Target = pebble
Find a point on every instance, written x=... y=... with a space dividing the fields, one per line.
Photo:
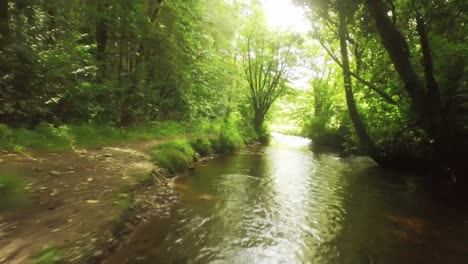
x=98 y=253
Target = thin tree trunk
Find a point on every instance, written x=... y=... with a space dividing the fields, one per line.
x=50 y=41
x=364 y=138
x=101 y=36
x=4 y=24
x=127 y=107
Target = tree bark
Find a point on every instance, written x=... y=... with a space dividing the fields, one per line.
x=364 y=138
x=4 y=24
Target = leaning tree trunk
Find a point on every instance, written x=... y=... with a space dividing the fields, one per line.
x=425 y=99
x=364 y=138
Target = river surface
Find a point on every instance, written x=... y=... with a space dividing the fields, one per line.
x=285 y=204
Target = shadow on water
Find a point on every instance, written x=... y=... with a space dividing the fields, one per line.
x=285 y=204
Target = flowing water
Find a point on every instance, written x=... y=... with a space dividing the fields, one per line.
x=285 y=204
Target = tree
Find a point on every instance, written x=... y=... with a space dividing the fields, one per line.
x=361 y=131
x=266 y=65
x=337 y=14
x=426 y=102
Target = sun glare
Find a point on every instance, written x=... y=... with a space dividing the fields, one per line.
x=284 y=14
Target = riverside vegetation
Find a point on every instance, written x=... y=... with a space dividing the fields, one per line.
x=387 y=80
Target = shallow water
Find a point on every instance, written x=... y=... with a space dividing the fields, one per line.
x=285 y=204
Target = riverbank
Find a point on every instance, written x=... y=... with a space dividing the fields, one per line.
x=80 y=200
x=75 y=205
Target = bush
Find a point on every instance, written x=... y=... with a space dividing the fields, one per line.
x=202 y=146
x=326 y=138
x=174 y=156
x=229 y=140
x=6 y=135
x=12 y=191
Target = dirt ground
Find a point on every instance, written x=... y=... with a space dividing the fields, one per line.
x=81 y=201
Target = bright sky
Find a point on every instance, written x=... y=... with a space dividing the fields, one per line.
x=284 y=14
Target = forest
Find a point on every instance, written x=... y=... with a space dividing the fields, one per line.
x=385 y=79
x=389 y=77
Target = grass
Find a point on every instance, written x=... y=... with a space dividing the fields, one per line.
x=12 y=193
x=50 y=255
x=47 y=137
x=174 y=156
x=229 y=140
x=179 y=155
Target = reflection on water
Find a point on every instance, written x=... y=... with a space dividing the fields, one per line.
x=285 y=204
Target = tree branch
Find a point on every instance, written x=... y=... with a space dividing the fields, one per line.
x=386 y=97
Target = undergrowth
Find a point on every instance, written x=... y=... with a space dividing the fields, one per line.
x=50 y=255
x=180 y=155
x=174 y=156
x=47 y=137
x=12 y=193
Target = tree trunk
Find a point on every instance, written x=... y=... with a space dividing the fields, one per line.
x=425 y=100
x=4 y=24
x=399 y=52
x=101 y=35
x=259 y=119
x=364 y=138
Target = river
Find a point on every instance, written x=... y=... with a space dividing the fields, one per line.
x=285 y=204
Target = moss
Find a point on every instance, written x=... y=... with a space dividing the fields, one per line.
x=174 y=156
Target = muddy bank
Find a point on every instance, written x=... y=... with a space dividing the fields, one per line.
x=81 y=203
x=152 y=198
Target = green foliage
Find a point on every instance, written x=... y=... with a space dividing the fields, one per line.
x=163 y=62
x=6 y=135
x=50 y=255
x=12 y=192
x=202 y=146
x=267 y=60
x=50 y=138
x=326 y=137
x=174 y=156
x=229 y=140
